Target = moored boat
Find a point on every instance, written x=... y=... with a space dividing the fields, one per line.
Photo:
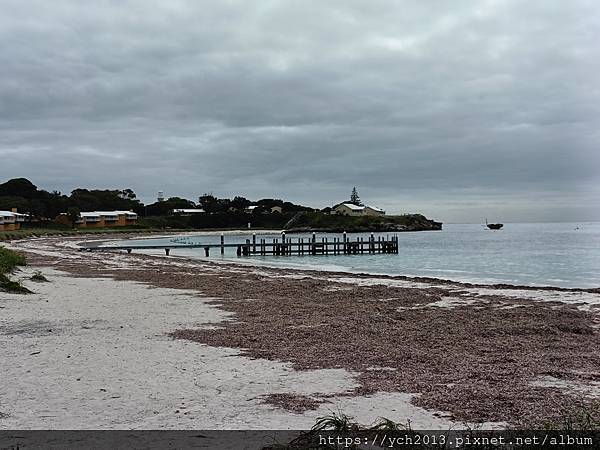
x=493 y=226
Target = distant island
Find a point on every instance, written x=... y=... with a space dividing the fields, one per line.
x=99 y=209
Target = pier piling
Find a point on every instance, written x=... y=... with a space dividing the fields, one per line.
x=284 y=247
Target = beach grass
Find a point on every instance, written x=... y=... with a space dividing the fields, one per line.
x=580 y=415
x=9 y=262
x=12 y=286
x=336 y=422
x=344 y=423
x=39 y=277
x=576 y=420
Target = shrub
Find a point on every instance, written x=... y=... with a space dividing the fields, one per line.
x=38 y=277
x=14 y=287
x=9 y=261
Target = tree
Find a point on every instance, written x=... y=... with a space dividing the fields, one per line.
x=209 y=203
x=19 y=187
x=105 y=200
x=73 y=214
x=127 y=194
x=239 y=203
x=354 y=198
x=166 y=206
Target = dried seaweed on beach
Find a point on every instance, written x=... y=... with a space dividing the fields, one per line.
x=297 y=403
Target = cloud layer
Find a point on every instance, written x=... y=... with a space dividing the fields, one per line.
x=460 y=109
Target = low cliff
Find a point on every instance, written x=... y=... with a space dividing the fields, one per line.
x=303 y=222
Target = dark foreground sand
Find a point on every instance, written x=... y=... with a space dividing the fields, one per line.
x=518 y=356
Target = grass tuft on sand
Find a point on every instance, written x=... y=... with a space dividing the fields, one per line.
x=575 y=419
x=580 y=415
x=9 y=262
x=39 y=277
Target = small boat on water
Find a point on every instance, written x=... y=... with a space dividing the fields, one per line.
x=493 y=226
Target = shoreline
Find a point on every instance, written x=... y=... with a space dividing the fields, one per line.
x=445 y=342
x=253 y=262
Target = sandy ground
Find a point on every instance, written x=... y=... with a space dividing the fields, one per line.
x=86 y=353
x=259 y=343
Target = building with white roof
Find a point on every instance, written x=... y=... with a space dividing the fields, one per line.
x=187 y=211
x=350 y=209
x=11 y=220
x=101 y=219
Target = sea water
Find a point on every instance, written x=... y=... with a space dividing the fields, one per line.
x=533 y=254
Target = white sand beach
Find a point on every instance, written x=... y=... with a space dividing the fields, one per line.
x=93 y=353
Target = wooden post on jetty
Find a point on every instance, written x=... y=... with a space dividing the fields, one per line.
x=283 y=250
x=286 y=246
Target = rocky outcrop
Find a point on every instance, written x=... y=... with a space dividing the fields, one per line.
x=416 y=222
x=309 y=222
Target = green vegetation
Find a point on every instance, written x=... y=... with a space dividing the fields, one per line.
x=212 y=204
x=338 y=223
x=299 y=221
x=38 y=277
x=9 y=262
x=73 y=214
x=354 y=198
x=308 y=221
x=343 y=425
x=44 y=207
x=579 y=415
x=11 y=286
x=165 y=207
x=353 y=434
x=336 y=422
x=22 y=194
x=219 y=213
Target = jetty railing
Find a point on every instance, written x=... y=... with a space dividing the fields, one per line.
x=323 y=246
x=284 y=246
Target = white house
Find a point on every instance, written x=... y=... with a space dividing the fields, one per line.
x=11 y=220
x=350 y=209
x=187 y=211
x=374 y=211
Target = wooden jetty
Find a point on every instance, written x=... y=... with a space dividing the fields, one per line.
x=283 y=246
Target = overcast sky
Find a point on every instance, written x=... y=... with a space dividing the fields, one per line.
x=457 y=109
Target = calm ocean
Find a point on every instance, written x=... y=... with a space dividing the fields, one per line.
x=535 y=254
